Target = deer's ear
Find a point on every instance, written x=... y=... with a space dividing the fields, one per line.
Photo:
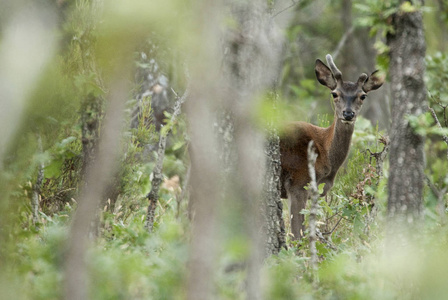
x=324 y=75
x=374 y=81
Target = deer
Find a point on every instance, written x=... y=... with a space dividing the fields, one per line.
x=332 y=144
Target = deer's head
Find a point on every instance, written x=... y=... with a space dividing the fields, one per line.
x=348 y=96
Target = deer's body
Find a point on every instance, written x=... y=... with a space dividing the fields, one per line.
x=332 y=144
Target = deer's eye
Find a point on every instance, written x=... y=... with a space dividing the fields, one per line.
x=362 y=97
x=334 y=95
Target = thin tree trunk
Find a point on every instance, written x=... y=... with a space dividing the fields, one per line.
x=274 y=223
x=407 y=69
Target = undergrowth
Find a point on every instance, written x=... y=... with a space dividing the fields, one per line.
x=127 y=262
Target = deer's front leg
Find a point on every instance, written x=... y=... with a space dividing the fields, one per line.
x=297 y=201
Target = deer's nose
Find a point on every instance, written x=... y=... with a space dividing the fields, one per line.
x=348 y=114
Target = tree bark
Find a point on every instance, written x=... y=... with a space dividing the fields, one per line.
x=407 y=69
x=274 y=223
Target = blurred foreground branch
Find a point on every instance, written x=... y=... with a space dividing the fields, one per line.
x=97 y=177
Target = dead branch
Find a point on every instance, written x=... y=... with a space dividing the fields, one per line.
x=314 y=193
x=157 y=176
x=342 y=42
x=444 y=137
x=294 y=3
x=334 y=227
x=440 y=194
x=380 y=156
x=323 y=240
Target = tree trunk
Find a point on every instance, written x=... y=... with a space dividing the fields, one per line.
x=273 y=214
x=407 y=69
x=249 y=67
x=233 y=168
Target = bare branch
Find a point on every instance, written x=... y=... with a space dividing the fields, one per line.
x=380 y=156
x=323 y=240
x=342 y=42
x=153 y=195
x=314 y=193
x=294 y=3
x=434 y=115
x=440 y=195
x=332 y=230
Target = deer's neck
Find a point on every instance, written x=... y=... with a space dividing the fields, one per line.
x=341 y=134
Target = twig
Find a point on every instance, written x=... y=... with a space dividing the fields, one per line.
x=337 y=223
x=342 y=42
x=380 y=156
x=445 y=120
x=286 y=8
x=444 y=137
x=153 y=195
x=322 y=239
x=314 y=193
x=444 y=107
x=439 y=194
x=334 y=215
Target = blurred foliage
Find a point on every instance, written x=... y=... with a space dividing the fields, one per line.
x=128 y=263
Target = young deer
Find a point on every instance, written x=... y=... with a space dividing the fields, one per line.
x=332 y=144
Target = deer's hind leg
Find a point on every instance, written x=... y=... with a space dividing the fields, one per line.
x=297 y=196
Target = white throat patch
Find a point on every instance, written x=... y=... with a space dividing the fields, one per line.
x=347 y=122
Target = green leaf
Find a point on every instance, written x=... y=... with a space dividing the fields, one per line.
x=321 y=188
x=53 y=170
x=407 y=7
x=178 y=145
